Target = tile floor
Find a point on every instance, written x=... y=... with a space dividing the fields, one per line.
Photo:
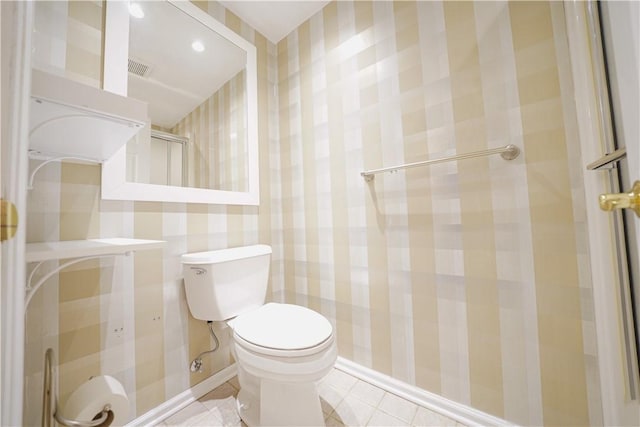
x=346 y=401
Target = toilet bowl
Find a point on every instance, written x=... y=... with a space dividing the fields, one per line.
x=281 y=350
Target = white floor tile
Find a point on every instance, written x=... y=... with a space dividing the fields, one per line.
x=208 y=420
x=382 y=419
x=368 y=393
x=226 y=410
x=330 y=397
x=346 y=401
x=339 y=380
x=425 y=417
x=398 y=407
x=332 y=422
x=191 y=415
x=353 y=412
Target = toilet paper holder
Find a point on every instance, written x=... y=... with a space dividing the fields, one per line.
x=104 y=415
x=48 y=401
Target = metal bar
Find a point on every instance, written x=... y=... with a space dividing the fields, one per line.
x=166 y=136
x=168 y=162
x=47 y=386
x=608 y=159
x=48 y=402
x=104 y=416
x=508 y=152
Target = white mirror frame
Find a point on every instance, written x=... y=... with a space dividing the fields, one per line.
x=114 y=183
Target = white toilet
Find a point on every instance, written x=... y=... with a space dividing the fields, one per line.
x=281 y=349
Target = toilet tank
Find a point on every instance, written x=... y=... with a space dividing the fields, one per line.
x=225 y=283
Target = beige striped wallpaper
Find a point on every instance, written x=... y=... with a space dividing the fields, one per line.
x=67 y=39
x=217 y=136
x=468 y=279
x=127 y=316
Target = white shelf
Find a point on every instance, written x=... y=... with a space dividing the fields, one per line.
x=86 y=248
x=71 y=119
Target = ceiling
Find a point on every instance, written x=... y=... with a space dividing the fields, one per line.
x=274 y=19
x=178 y=78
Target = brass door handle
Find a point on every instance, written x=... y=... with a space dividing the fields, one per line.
x=8 y=220
x=630 y=200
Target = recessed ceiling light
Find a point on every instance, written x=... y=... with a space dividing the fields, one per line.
x=136 y=11
x=197 y=46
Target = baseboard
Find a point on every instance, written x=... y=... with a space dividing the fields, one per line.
x=176 y=403
x=457 y=411
x=454 y=410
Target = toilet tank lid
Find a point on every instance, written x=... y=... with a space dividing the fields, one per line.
x=225 y=255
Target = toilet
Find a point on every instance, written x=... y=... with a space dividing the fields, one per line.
x=281 y=350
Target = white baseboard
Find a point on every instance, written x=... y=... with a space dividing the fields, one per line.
x=454 y=410
x=176 y=403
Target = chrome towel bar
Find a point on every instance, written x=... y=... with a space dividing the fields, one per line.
x=508 y=152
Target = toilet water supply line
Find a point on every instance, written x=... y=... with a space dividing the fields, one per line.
x=196 y=364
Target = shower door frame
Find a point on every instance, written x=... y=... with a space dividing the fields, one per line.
x=618 y=374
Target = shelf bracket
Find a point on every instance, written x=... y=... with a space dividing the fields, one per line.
x=31 y=290
x=36 y=154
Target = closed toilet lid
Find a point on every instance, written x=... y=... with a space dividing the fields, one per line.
x=283 y=327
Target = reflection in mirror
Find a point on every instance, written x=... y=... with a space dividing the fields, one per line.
x=161 y=158
x=194 y=81
x=223 y=104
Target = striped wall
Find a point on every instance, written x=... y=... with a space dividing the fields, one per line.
x=127 y=316
x=68 y=39
x=468 y=279
x=217 y=138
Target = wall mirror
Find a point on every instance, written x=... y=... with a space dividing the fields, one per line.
x=199 y=81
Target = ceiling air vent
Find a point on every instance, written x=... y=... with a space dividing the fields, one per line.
x=138 y=68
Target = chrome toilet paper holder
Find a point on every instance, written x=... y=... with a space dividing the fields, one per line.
x=104 y=415
x=48 y=401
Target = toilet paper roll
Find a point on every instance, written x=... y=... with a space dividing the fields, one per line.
x=88 y=400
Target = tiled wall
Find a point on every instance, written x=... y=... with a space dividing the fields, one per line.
x=127 y=316
x=468 y=279
x=217 y=129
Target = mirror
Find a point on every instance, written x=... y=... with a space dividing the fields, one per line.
x=199 y=81
x=158 y=158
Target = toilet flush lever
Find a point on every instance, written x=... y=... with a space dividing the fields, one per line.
x=199 y=271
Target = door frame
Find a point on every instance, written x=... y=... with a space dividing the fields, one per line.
x=16 y=24
x=617 y=408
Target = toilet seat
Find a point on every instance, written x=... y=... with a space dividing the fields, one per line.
x=282 y=330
